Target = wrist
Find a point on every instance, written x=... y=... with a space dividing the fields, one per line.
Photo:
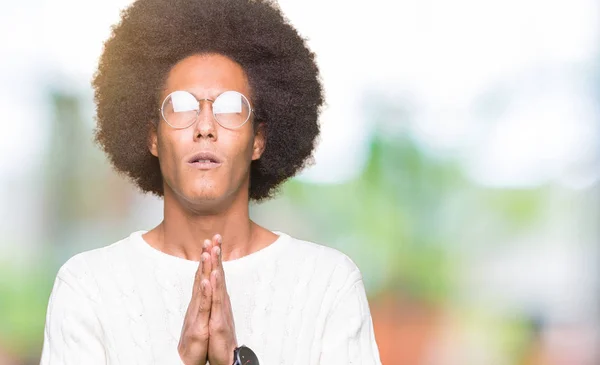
x=232 y=354
x=231 y=357
x=243 y=355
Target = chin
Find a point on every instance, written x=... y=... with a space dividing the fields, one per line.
x=196 y=192
x=203 y=194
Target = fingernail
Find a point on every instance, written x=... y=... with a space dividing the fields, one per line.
x=203 y=258
x=218 y=251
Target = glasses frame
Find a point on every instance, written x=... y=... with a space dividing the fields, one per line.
x=162 y=113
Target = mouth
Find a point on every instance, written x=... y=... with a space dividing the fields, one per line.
x=204 y=161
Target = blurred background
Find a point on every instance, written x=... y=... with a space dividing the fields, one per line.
x=459 y=167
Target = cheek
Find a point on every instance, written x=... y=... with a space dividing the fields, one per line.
x=168 y=153
x=241 y=148
x=238 y=152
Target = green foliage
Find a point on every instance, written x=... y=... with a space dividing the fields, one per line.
x=391 y=212
x=24 y=293
x=407 y=216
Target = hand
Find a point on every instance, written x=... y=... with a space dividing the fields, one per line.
x=193 y=343
x=222 y=339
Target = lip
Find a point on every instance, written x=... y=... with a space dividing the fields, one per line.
x=211 y=160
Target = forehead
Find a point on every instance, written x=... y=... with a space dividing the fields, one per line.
x=206 y=76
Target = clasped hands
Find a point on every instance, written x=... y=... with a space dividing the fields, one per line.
x=208 y=331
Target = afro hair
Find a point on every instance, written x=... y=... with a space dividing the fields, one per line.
x=153 y=35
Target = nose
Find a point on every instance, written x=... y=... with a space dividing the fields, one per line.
x=205 y=126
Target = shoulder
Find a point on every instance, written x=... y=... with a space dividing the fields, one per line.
x=323 y=274
x=81 y=263
x=82 y=271
x=325 y=260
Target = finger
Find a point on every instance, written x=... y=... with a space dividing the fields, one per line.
x=217 y=269
x=205 y=288
x=195 y=300
x=217 y=241
x=200 y=274
x=216 y=282
x=197 y=281
x=205 y=305
x=206 y=260
x=206 y=245
x=215 y=254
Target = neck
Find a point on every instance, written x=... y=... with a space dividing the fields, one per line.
x=183 y=230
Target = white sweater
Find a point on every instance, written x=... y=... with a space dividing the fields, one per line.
x=294 y=302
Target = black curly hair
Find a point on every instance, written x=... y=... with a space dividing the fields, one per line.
x=154 y=35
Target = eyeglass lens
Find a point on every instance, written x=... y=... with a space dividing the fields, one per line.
x=180 y=109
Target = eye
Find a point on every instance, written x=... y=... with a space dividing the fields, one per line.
x=229 y=102
x=182 y=101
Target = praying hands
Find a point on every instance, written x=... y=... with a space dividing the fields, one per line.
x=208 y=328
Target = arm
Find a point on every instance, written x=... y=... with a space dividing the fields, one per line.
x=73 y=334
x=348 y=337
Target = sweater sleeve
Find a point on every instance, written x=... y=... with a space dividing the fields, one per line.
x=72 y=334
x=348 y=336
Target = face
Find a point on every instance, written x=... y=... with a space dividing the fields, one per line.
x=184 y=153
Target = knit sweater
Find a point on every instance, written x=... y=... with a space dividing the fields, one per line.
x=294 y=302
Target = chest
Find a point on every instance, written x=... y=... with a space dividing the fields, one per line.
x=276 y=313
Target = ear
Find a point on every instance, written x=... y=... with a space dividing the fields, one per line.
x=260 y=141
x=153 y=139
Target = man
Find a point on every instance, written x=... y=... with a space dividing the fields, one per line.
x=209 y=104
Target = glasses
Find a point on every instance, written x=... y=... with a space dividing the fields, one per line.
x=231 y=109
